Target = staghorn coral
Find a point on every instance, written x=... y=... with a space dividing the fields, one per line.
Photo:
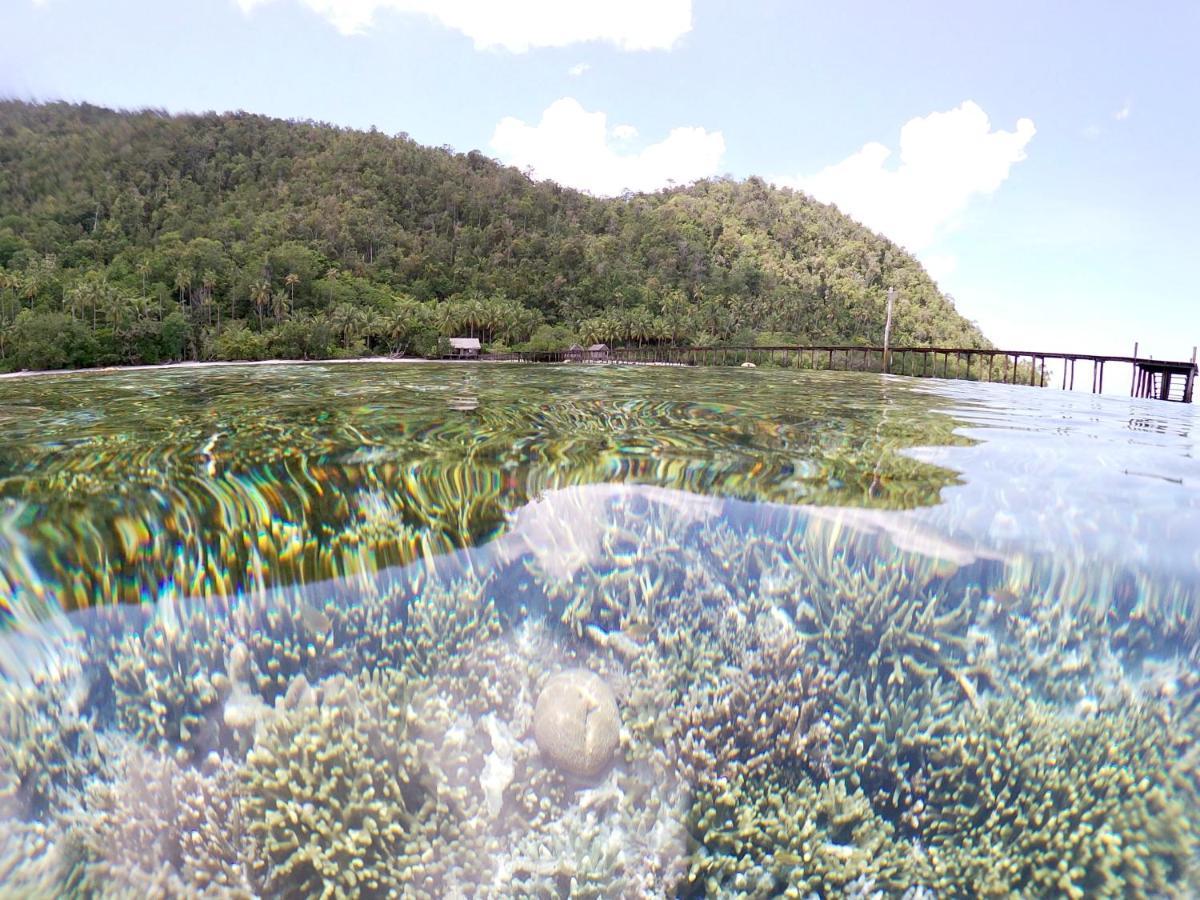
x=33 y=865
x=162 y=830
x=1024 y=799
x=880 y=738
x=335 y=801
x=287 y=635
x=168 y=680
x=761 y=713
x=777 y=836
x=48 y=750
x=873 y=618
x=445 y=621
x=371 y=623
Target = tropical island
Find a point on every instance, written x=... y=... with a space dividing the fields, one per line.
x=139 y=238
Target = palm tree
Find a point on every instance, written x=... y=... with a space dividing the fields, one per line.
x=87 y=293
x=449 y=317
x=208 y=281
x=291 y=280
x=347 y=319
x=260 y=293
x=375 y=326
x=183 y=282
x=331 y=275
x=143 y=269
x=591 y=331
x=280 y=307
x=7 y=280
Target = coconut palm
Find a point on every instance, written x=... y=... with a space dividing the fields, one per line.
x=331 y=275
x=87 y=293
x=208 y=283
x=183 y=282
x=280 y=307
x=291 y=280
x=347 y=319
x=260 y=293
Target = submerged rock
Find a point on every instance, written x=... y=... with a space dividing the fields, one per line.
x=576 y=723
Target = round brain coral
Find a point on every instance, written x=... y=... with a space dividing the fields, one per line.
x=576 y=723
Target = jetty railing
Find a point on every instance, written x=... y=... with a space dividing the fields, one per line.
x=1159 y=379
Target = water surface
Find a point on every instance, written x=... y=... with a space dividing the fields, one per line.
x=283 y=630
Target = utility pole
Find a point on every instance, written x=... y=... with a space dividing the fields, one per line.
x=887 y=332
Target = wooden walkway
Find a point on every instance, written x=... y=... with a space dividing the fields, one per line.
x=1158 y=379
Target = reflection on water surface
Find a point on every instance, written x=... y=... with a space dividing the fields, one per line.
x=497 y=630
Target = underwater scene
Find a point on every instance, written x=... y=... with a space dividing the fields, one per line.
x=472 y=630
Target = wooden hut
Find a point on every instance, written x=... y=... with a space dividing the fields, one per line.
x=464 y=348
x=597 y=352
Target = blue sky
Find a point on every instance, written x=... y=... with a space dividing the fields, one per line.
x=1039 y=157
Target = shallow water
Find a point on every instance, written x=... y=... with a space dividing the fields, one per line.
x=283 y=630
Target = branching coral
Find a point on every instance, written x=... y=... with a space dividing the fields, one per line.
x=164 y=830
x=168 y=679
x=1026 y=800
x=762 y=715
x=771 y=837
x=335 y=802
x=444 y=621
x=873 y=618
x=47 y=747
x=33 y=865
x=880 y=738
x=286 y=635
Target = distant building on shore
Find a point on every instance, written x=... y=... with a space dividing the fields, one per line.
x=597 y=352
x=464 y=348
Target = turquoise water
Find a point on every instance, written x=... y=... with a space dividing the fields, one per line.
x=442 y=630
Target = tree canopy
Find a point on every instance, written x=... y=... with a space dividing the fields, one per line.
x=139 y=237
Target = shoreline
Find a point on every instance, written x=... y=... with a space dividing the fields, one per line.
x=358 y=360
x=33 y=373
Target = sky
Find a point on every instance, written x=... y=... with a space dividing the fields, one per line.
x=1039 y=158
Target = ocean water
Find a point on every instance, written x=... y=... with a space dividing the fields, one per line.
x=500 y=630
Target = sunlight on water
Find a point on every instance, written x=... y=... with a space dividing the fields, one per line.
x=513 y=631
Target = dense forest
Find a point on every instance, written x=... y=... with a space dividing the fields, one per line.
x=142 y=238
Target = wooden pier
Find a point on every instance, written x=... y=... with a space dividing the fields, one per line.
x=1155 y=379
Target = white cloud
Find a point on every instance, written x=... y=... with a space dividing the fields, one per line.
x=578 y=69
x=1123 y=113
x=573 y=147
x=624 y=132
x=518 y=25
x=946 y=159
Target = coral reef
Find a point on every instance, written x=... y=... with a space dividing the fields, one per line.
x=761 y=712
x=168 y=680
x=879 y=740
x=445 y=621
x=161 y=829
x=48 y=750
x=770 y=837
x=286 y=635
x=875 y=618
x=33 y=865
x=334 y=800
x=1025 y=799
x=748 y=708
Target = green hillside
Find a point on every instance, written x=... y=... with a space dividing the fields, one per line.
x=142 y=237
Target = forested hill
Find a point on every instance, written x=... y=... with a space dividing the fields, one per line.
x=141 y=237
